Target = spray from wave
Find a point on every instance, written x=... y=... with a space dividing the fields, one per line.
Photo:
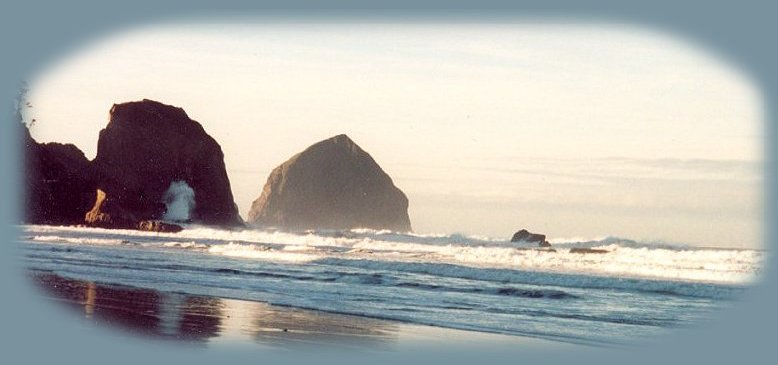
x=180 y=202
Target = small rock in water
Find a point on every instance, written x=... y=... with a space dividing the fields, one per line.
x=526 y=236
x=587 y=250
x=158 y=226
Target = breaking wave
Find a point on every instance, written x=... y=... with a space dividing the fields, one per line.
x=615 y=257
x=592 y=291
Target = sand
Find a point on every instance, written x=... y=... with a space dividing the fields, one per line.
x=224 y=322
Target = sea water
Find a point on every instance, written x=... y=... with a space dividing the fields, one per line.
x=632 y=291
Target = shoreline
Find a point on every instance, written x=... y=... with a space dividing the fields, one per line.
x=554 y=245
x=216 y=322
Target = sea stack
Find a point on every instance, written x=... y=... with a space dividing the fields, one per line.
x=146 y=150
x=333 y=184
x=59 y=183
x=528 y=237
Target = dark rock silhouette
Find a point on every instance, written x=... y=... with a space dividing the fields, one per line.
x=158 y=226
x=117 y=218
x=528 y=237
x=144 y=148
x=333 y=184
x=59 y=183
x=121 y=218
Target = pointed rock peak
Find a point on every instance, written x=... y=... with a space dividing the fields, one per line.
x=333 y=184
x=341 y=138
x=341 y=141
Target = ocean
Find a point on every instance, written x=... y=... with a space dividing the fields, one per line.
x=631 y=292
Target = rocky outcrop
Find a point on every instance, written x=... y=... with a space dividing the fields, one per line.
x=120 y=218
x=333 y=184
x=528 y=237
x=59 y=184
x=107 y=214
x=144 y=149
x=158 y=226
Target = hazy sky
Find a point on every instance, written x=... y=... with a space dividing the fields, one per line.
x=572 y=131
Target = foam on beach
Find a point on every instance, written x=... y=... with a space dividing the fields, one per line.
x=622 y=258
x=591 y=291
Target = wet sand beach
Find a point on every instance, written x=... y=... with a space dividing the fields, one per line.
x=222 y=322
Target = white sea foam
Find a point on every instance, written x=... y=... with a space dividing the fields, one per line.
x=186 y=245
x=78 y=241
x=722 y=266
x=299 y=248
x=685 y=288
x=632 y=288
x=180 y=201
x=260 y=252
x=623 y=259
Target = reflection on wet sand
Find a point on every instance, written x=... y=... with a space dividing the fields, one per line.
x=210 y=320
x=280 y=326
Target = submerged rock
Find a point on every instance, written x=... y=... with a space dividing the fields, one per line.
x=528 y=237
x=58 y=180
x=144 y=149
x=587 y=250
x=159 y=226
x=333 y=184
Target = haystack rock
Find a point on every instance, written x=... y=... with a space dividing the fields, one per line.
x=529 y=237
x=333 y=184
x=149 y=156
x=59 y=183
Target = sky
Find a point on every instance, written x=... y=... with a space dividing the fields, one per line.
x=568 y=130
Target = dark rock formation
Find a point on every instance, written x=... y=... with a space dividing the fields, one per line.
x=144 y=148
x=59 y=185
x=158 y=226
x=121 y=218
x=333 y=184
x=525 y=236
x=117 y=218
x=587 y=250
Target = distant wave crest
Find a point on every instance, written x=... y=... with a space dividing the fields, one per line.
x=616 y=257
